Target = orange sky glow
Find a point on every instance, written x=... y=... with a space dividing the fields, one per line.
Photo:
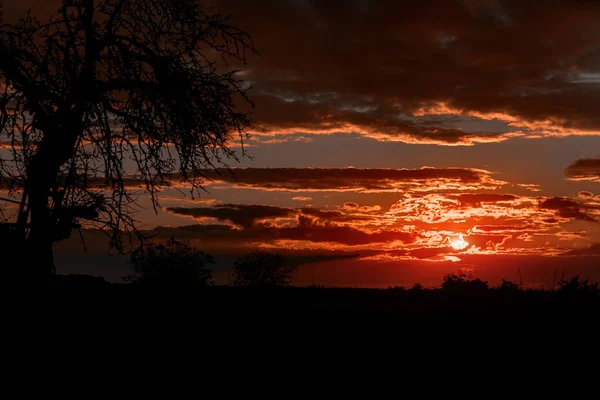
x=393 y=145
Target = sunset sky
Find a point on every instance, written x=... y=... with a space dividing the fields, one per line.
x=397 y=141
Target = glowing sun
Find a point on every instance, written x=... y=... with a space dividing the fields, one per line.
x=459 y=244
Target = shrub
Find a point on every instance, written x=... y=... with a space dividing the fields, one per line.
x=417 y=287
x=509 y=286
x=575 y=285
x=263 y=269
x=459 y=283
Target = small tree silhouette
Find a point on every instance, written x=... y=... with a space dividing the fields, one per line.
x=460 y=284
x=174 y=263
x=263 y=269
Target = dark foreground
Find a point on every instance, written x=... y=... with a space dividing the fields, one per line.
x=81 y=297
x=223 y=326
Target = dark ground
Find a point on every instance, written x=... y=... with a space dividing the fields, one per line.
x=328 y=306
x=315 y=331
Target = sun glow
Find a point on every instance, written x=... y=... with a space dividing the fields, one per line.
x=460 y=243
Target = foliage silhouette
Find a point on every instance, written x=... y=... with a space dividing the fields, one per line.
x=460 y=284
x=316 y=305
x=576 y=285
x=417 y=287
x=108 y=96
x=508 y=286
x=263 y=269
x=173 y=264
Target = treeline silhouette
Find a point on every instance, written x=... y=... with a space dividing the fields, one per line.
x=262 y=290
x=176 y=264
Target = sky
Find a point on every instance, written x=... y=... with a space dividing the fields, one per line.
x=397 y=141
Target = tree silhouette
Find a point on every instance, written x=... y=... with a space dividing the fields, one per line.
x=263 y=269
x=460 y=284
x=173 y=264
x=108 y=99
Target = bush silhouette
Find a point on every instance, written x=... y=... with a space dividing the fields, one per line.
x=174 y=263
x=509 y=286
x=460 y=283
x=575 y=285
x=417 y=287
x=263 y=269
x=396 y=289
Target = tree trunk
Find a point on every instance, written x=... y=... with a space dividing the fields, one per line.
x=40 y=260
x=38 y=246
x=42 y=176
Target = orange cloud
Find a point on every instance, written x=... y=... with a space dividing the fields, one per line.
x=302 y=198
x=419 y=226
x=586 y=169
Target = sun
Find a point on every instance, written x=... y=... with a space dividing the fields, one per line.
x=460 y=243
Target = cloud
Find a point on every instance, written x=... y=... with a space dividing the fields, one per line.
x=436 y=71
x=276 y=116
x=333 y=215
x=354 y=207
x=242 y=215
x=419 y=225
x=449 y=72
x=585 y=169
x=475 y=200
x=356 y=179
x=592 y=250
x=307 y=230
x=248 y=215
x=502 y=228
x=570 y=209
x=364 y=180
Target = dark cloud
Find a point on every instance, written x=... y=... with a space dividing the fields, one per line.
x=274 y=115
x=14 y=9
x=239 y=214
x=429 y=71
x=307 y=229
x=327 y=179
x=585 y=169
x=248 y=215
x=568 y=208
x=381 y=67
x=308 y=257
x=351 y=179
x=592 y=250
